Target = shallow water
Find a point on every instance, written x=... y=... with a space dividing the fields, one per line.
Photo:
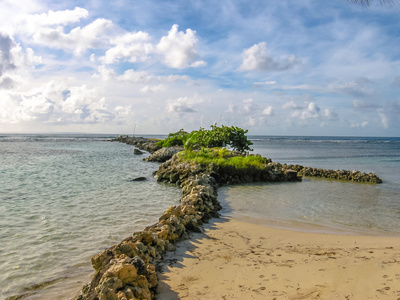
x=334 y=205
x=66 y=198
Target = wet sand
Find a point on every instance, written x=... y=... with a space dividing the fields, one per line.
x=233 y=259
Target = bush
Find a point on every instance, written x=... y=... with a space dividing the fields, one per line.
x=223 y=136
x=174 y=139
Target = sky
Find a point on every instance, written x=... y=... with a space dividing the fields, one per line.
x=278 y=67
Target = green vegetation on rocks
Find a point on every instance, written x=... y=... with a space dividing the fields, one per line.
x=224 y=157
x=224 y=136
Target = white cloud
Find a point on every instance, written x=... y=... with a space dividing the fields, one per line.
x=354 y=88
x=141 y=77
x=50 y=30
x=389 y=114
x=132 y=47
x=251 y=122
x=256 y=58
x=55 y=103
x=268 y=111
x=152 y=88
x=299 y=87
x=384 y=119
x=13 y=61
x=184 y=105
x=293 y=105
x=105 y=73
x=312 y=111
x=248 y=106
x=359 y=125
x=178 y=49
x=233 y=108
x=136 y=76
x=78 y=40
x=329 y=114
x=63 y=17
x=306 y=111
x=6 y=57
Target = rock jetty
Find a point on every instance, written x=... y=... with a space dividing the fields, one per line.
x=346 y=175
x=141 y=143
x=127 y=270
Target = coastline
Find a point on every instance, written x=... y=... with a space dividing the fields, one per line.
x=128 y=270
x=233 y=259
x=61 y=284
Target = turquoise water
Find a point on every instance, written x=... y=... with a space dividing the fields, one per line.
x=65 y=198
x=331 y=205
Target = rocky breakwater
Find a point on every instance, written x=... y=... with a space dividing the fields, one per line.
x=142 y=143
x=128 y=270
x=177 y=170
x=346 y=175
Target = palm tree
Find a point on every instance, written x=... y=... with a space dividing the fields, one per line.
x=368 y=2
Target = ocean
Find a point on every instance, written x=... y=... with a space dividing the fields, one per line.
x=65 y=198
x=323 y=205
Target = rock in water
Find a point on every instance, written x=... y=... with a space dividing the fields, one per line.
x=137 y=152
x=139 y=179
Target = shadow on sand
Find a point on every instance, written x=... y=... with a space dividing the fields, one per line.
x=183 y=251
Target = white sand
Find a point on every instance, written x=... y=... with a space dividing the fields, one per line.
x=238 y=260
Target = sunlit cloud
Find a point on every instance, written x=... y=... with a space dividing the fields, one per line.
x=271 y=69
x=256 y=58
x=178 y=49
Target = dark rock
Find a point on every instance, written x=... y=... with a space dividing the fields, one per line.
x=139 y=179
x=291 y=175
x=139 y=265
x=137 y=152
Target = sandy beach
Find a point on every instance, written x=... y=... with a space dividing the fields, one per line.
x=233 y=259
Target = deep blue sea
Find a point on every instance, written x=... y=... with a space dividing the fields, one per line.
x=64 y=198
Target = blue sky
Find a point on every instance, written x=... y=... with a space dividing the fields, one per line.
x=273 y=67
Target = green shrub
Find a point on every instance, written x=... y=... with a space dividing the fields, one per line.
x=174 y=139
x=223 y=136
